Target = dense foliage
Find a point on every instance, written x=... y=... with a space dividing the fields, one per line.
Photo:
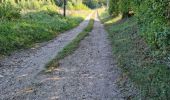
x=91 y=3
x=11 y=8
x=76 y=6
x=82 y=4
x=152 y=18
x=94 y=3
x=72 y=4
x=29 y=4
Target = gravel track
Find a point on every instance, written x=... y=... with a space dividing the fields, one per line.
x=18 y=71
x=88 y=74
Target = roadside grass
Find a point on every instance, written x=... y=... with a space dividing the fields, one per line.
x=148 y=72
x=34 y=27
x=70 y=48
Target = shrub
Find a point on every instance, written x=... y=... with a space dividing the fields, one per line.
x=92 y=3
x=70 y=5
x=153 y=23
x=80 y=7
x=112 y=9
x=34 y=4
x=152 y=19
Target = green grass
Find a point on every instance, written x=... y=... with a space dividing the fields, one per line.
x=33 y=27
x=148 y=72
x=70 y=48
x=106 y=18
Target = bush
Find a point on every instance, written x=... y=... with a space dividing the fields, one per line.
x=79 y=6
x=152 y=19
x=34 y=4
x=92 y=3
x=70 y=5
x=153 y=23
x=9 y=11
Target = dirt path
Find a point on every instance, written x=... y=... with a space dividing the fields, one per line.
x=18 y=71
x=88 y=74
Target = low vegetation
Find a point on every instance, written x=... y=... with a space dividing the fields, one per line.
x=70 y=48
x=73 y=6
x=149 y=72
x=23 y=26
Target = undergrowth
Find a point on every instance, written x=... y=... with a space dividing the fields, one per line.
x=148 y=72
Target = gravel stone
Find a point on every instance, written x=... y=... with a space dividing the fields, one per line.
x=90 y=73
x=20 y=68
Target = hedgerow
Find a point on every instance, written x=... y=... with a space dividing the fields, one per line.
x=147 y=66
x=152 y=18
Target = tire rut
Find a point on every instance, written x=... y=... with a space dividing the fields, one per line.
x=19 y=70
x=90 y=73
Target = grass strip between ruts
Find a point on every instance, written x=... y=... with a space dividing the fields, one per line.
x=70 y=48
